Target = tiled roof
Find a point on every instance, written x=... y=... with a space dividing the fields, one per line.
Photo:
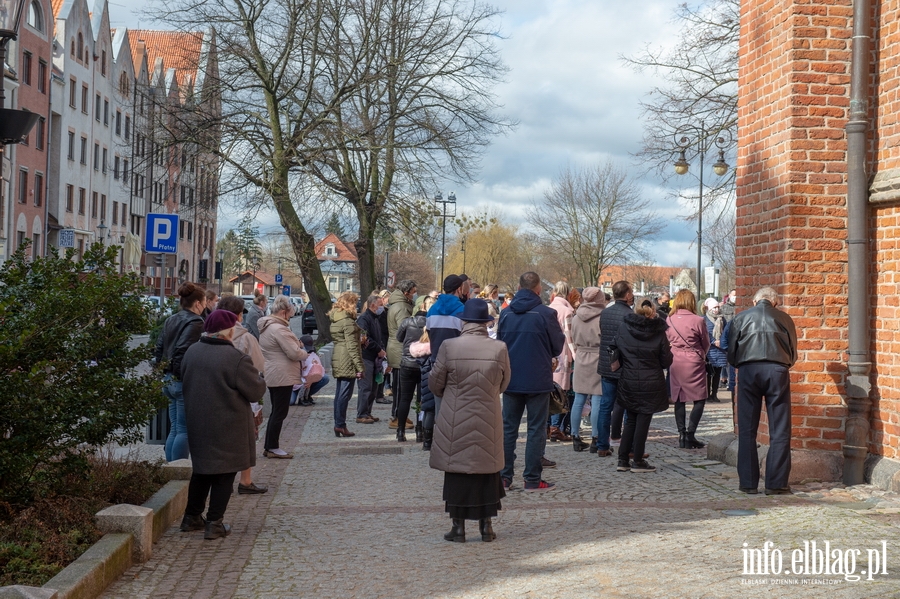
x=261 y=276
x=344 y=251
x=56 y=6
x=652 y=275
x=179 y=50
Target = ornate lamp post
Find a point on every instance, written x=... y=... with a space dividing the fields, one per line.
x=221 y=268
x=102 y=232
x=445 y=213
x=701 y=143
x=14 y=124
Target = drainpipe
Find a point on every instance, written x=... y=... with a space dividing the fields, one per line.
x=858 y=386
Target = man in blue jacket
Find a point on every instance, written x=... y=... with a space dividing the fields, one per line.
x=442 y=320
x=533 y=337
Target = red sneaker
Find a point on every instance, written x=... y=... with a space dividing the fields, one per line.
x=539 y=486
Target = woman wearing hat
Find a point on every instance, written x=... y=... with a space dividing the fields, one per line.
x=469 y=373
x=717 y=356
x=220 y=383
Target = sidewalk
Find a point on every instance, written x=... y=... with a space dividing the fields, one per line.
x=363 y=517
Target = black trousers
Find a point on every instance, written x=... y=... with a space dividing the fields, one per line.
x=618 y=413
x=713 y=377
x=410 y=379
x=395 y=390
x=217 y=487
x=281 y=399
x=634 y=435
x=770 y=383
x=367 y=390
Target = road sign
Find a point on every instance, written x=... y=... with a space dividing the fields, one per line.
x=67 y=238
x=391 y=279
x=286 y=290
x=162 y=233
x=279 y=278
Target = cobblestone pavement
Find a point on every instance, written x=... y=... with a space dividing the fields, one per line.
x=363 y=517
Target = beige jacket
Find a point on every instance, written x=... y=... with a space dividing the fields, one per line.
x=282 y=351
x=247 y=343
x=470 y=373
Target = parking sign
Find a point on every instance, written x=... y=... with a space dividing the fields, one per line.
x=286 y=290
x=162 y=234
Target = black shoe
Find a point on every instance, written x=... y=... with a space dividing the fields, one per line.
x=749 y=490
x=593 y=447
x=782 y=491
x=189 y=523
x=693 y=443
x=383 y=400
x=624 y=465
x=682 y=439
x=401 y=435
x=486 y=530
x=428 y=436
x=420 y=433
x=642 y=466
x=217 y=529
x=578 y=444
x=251 y=489
x=457 y=534
x=547 y=463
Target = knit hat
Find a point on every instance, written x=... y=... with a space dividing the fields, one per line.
x=452 y=283
x=219 y=320
x=710 y=302
x=591 y=295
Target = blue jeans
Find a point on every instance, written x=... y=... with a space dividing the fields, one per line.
x=343 y=391
x=314 y=388
x=177 y=441
x=604 y=415
x=537 y=406
x=578 y=408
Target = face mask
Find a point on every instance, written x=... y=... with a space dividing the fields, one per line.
x=415 y=296
x=463 y=298
x=380 y=310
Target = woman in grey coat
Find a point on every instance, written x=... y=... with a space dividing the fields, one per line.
x=585 y=380
x=220 y=383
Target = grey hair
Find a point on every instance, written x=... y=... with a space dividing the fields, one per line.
x=766 y=293
x=562 y=289
x=406 y=285
x=282 y=303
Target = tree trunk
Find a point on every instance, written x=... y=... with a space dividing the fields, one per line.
x=365 y=251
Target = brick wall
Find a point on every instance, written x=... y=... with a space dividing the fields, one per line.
x=791 y=192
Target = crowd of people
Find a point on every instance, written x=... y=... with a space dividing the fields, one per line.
x=463 y=368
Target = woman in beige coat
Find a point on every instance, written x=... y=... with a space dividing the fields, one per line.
x=470 y=373
x=284 y=356
x=585 y=381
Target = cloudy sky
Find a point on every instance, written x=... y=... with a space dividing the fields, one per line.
x=575 y=100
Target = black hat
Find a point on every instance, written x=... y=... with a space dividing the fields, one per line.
x=476 y=310
x=307 y=342
x=452 y=283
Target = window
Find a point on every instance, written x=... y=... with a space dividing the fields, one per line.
x=191 y=196
x=329 y=250
x=180 y=229
x=127 y=127
x=102 y=207
x=81 y=199
x=332 y=284
x=103 y=164
x=124 y=85
x=80 y=249
x=190 y=228
x=85 y=94
x=96 y=156
x=39 y=133
x=125 y=171
x=73 y=87
x=97 y=108
x=72 y=47
x=36 y=245
x=106 y=112
x=83 y=150
x=115 y=219
x=103 y=63
x=70 y=154
x=42 y=77
x=23 y=186
x=26 y=68
x=94 y=205
x=35 y=15
x=116 y=167
x=80 y=44
x=87 y=56
x=118 y=122
x=183 y=194
x=124 y=214
x=70 y=198
x=38 y=189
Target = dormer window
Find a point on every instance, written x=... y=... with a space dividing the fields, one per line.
x=329 y=250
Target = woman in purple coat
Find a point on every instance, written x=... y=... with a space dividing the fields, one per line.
x=689 y=339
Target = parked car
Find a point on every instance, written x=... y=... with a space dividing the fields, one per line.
x=309 y=319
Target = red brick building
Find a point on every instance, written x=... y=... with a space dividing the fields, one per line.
x=796 y=205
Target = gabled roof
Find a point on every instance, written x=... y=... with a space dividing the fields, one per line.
x=56 y=6
x=652 y=275
x=261 y=276
x=345 y=252
x=179 y=50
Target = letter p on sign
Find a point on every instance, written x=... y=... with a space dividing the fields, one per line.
x=162 y=230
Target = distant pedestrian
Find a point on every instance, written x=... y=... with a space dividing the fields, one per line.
x=716 y=357
x=642 y=390
x=534 y=338
x=611 y=319
x=373 y=355
x=586 y=382
x=409 y=332
x=220 y=384
x=346 y=360
x=256 y=311
x=470 y=373
x=687 y=376
x=400 y=307
x=180 y=332
x=763 y=347
x=211 y=303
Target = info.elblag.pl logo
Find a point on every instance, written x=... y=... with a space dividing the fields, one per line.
x=815 y=559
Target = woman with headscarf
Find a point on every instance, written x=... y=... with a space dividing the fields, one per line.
x=469 y=374
x=717 y=356
x=585 y=380
x=220 y=385
x=689 y=340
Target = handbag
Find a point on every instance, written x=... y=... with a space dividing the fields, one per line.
x=558 y=400
x=615 y=358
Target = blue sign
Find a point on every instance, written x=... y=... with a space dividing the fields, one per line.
x=162 y=234
x=279 y=278
x=286 y=290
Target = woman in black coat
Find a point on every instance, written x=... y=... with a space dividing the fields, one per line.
x=644 y=354
x=410 y=330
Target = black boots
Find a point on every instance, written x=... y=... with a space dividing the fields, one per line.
x=420 y=434
x=691 y=441
x=682 y=438
x=401 y=434
x=457 y=534
x=429 y=434
x=189 y=523
x=578 y=444
x=593 y=447
x=486 y=530
x=216 y=529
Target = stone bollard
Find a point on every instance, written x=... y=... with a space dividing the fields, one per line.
x=178 y=470
x=22 y=592
x=132 y=519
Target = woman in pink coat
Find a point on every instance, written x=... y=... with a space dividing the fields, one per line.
x=689 y=339
x=562 y=376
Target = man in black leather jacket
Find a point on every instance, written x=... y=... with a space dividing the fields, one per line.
x=763 y=347
x=611 y=318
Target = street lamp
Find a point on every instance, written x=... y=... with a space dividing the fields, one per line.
x=701 y=142
x=254 y=259
x=279 y=276
x=221 y=268
x=463 y=249
x=102 y=229
x=444 y=214
x=14 y=124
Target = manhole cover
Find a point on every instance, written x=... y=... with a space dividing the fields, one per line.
x=370 y=450
x=739 y=512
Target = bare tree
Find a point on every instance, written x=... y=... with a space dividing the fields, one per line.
x=595 y=217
